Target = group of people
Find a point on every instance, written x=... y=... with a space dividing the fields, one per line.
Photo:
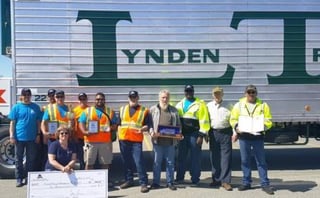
x=85 y=134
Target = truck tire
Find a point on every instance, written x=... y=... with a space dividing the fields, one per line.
x=282 y=137
x=7 y=162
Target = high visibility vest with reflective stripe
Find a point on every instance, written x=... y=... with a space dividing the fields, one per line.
x=102 y=135
x=54 y=115
x=129 y=129
x=77 y=113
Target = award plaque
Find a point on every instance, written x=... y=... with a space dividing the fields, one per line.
x=93 y=126
x=168 y=131
x=52 y=127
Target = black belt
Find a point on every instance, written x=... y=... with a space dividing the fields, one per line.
x=225 y=130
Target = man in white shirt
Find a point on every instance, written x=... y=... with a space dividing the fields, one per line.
x=220 y=140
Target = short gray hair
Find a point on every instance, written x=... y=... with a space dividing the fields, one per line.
x=164 y=91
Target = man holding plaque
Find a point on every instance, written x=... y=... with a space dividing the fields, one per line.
x=251 y=118
x=43 y=156
x=55 y=114
x=135 y=120
x=166 y=125
x=195 y=126
x=96 y=124
x=220 y=140
x=24 y=134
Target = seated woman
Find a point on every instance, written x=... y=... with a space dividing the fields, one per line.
x=61 y=153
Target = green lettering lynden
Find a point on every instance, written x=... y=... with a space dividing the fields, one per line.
x=105 y=55
x=294 y=44
x=174 y=55
x=316 y=54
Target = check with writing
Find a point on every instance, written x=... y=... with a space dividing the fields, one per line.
x=79 y=184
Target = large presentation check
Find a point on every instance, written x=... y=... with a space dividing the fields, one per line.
x=79 y=184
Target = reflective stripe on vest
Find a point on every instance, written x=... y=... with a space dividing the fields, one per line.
x=54 y=115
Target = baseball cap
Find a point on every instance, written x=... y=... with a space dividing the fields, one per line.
x=251 y=88
x=59 y=92
x=133 y=93
x=51 y=92
x=25 y=91
x=188 y=88
x=82 y=94
x=217 y=90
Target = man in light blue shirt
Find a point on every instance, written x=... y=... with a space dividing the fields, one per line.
x=25 y=133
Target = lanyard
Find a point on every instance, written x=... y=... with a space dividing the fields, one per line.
x=250 y=113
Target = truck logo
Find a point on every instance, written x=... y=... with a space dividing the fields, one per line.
x=105 y=51
x=1 y=93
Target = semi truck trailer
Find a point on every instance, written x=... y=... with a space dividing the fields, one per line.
x=116 y=46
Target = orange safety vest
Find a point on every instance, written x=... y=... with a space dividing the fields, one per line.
x=104 y=123
x=78 y=110
x=129 y=129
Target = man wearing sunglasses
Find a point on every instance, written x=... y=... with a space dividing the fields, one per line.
x=54 y=115
x=96 y=123
x=25 y=133
x=250 y=119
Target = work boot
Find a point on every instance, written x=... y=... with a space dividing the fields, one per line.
x=19 y=183
x=244 y=187
x=226 y=186
x=144 y=188
x=126 y=184
x=268 y=190
x=172 y=187
x=214 y=183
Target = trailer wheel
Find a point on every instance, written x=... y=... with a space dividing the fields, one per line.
x=7 y=162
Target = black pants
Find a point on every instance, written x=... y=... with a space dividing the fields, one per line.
x=221 y=154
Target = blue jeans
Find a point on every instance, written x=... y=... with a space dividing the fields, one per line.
x=186 y=146
x=257 y=147
x=30 y=149
x=131 y=153
x=160 y=153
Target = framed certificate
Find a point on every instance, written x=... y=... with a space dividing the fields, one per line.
x=168 y=130
x=52 y=127
x=251 y=125
x=93 y=126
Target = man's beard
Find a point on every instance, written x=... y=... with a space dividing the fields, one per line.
x=163 y=106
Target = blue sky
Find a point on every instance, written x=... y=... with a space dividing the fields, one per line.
x=5 y=66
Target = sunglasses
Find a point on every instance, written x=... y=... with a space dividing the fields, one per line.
x=64 y=133
x=251 y=92
x=59 y=96
x=82 y=99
